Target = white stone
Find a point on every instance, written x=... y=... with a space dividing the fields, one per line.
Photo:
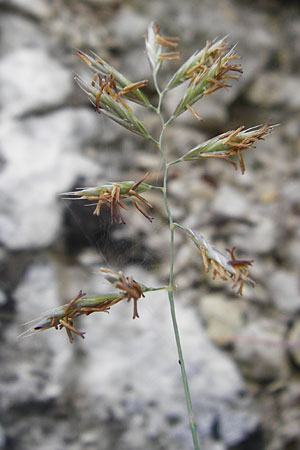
x=230 y=202
x=260 y=351
x=42 y=159
x=32 y=80
x=284 y=288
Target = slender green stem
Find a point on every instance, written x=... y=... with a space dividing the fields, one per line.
x=174 y=319
x=171 y=276
x=176 y=161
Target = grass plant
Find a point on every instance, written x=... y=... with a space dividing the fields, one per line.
x=111 y=93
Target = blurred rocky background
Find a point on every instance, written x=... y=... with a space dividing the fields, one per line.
x=121 y=388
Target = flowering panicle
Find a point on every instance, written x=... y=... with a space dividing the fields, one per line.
x=154 y=47
x=225 y=267
x=63 y=317
x=108 y=100
x=104 y=71
x=112 y=195
x=210 y=73
x=229 y=144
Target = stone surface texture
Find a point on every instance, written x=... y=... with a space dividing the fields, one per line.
x=120 y=388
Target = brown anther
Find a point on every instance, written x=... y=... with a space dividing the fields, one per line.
x=220 y=156
x=124 y=103
x=219 y=65
x=205 y=50
x=195 y=114
x=112 y=198
x=139 y=197
x=87 y=310
x=241 y=161
x=140 y=181
x=133 y=87
x=108 y=85
x=71 y=303
x=231 y=134
x=142 y=211
x=156 y=28
x=218 y=270
x=217 y=82
x=211 y=90
x=197 y=77
x=94 y=79
x=102 y=82
x=204 y=258
x=132 y=290
x=170 y=56
x=68 y=325
x=195 y=68
x=83 y=57
x=167 y=41
x=238 y=262
x=240 y=267
x=99 y=60
x=112 y=82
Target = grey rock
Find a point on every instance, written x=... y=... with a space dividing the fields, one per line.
x=260 y=352
x=294 y=340
x=291 y=191
x=127 y=27
x=41 y=359
x=284 y=288
x=230 y=202
x=237 y=427
x=32 y=80
x=293 y=250
x=121 y=387
x=37 y=292
x=37 y=8
x=18 y=32
x=2 y=298
x=223 y=318
x=42 y=159
x=259 y=239
x=276 y=90
x=2 y=438
x=213 y=112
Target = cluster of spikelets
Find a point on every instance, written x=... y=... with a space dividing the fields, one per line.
x=205 y=72
x=226 y=267
x=112 y=196
x=63 y=317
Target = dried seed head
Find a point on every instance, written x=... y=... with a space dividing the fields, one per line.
x=227 y=145
x=112 y=195
x=226 y=268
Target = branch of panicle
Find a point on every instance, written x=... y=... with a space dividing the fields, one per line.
x=229 y=144
x=227 y=268
x=63 y=317
x=112 y=196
